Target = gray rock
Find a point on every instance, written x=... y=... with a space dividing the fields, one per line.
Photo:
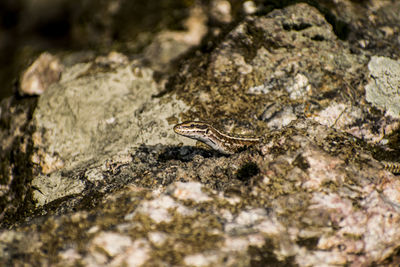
x=51 y=187
x=383 y=91
x=114 y=186
x=95 y=116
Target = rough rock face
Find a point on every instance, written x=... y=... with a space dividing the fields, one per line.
x=111 y=185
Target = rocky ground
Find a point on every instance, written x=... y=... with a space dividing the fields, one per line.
x=92 y=173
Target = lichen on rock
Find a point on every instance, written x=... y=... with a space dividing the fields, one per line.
x=111 y=184
x=383 y=91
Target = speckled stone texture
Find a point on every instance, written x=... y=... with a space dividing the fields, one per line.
x=108 y=183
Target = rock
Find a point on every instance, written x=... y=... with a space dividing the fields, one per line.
x=15 y=154
x=113 y=185
x=94 y=117
x=383 y=91
x=53 y=187
x=168 y=46
x=43 y=72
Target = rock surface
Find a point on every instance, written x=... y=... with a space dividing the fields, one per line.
x=43 y=72
x=384 y=89
x=106 y=182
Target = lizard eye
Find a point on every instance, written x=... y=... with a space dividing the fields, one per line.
x=191 y=125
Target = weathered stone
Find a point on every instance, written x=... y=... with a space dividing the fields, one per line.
x=115 y=187
x=93 y=117
x=383 y=91
x=43 y=72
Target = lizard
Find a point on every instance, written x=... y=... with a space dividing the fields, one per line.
x=216 y=139
x=229 y=144
x=393 y=167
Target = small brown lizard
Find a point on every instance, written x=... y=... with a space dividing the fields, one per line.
x=218 y=140
x=393 y=167
x=228 y=144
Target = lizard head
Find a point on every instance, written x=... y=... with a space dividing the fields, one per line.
x=193 y=129
x=198 y=130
